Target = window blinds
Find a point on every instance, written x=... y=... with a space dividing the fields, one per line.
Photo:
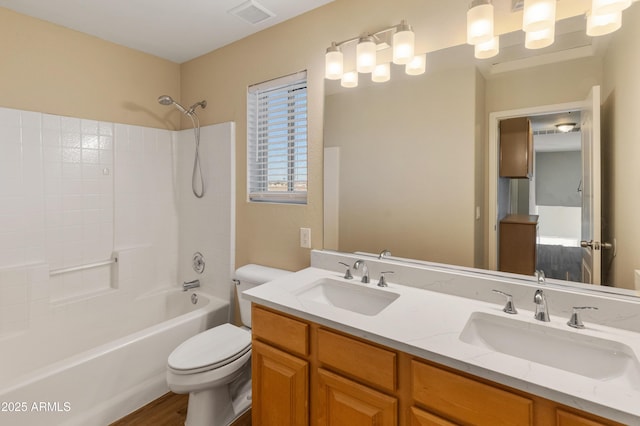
x=277 y=140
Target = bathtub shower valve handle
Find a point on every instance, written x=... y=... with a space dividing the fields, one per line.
x=575 y=320
x=198 y=262
x=509 y=307
x=347 y=273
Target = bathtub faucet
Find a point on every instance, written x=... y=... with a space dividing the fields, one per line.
x=190 y=284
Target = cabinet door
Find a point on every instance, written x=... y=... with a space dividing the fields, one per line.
x=516 y=148
x=344 y=402
x=565 y=418
x=280 y=387
x=422 y=418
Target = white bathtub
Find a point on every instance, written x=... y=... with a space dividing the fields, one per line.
x=93 y=368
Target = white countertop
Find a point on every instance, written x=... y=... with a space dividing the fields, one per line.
x=428 y=324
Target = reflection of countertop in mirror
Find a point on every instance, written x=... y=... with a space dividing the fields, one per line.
x=428 y=324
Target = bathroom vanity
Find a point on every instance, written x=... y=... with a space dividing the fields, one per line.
x=327 y=350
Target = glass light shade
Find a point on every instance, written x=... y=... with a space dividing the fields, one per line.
x=602 y=7
x=488 y=49
x=349 y=79
x=565 y=127
x=598 y=25
x=334 y=63
x=480 y=24
x=540 y=39
x=538 y=15
x=366 y=55
x=381 y=73
x=403 y=44
x=417 y=66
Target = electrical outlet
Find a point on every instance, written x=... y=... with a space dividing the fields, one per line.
x=305 y=237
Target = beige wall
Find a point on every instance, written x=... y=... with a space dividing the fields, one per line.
x=621 y=150
x=407 y=166
x=51 y=69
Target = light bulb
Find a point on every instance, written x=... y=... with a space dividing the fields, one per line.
x=538 y=15
x=598 y=25
x=488 y=49
x=366 y=54
x=479 y=23
x=334 y=63
x=381 y=73
x=349 y=79
x=417 y=66
x=403 y=44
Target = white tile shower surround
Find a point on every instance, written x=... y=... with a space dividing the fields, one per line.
x=74 y=191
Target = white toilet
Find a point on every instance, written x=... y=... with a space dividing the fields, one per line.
x=214 y=367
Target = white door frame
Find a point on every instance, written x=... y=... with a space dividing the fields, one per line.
x=494 y=122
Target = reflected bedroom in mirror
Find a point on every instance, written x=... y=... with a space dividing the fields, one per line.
x=517 y=163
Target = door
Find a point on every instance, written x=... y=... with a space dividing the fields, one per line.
x=590 y=230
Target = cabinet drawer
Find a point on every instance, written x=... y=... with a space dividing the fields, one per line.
x=281 y=331
x=565 y=418
x=369 y=363
x=465 y=400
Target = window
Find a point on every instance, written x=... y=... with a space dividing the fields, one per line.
x=277 y=140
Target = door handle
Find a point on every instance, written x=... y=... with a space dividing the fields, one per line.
x=596 y=245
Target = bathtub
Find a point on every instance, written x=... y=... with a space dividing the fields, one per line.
x=89 y=365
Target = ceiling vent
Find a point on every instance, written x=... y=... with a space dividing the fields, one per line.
x=252 y=12
x=517 y=5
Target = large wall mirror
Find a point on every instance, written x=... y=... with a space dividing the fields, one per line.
x=407 y=161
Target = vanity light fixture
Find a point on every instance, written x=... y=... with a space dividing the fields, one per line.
x=398 y=37
x=349 y=79
x=540 y=39
x=381 y=73
x=598 y=25
x=565 y=127
x=538 y=15
x=366 y=54
x=417 y=66
x=489 y=49
x=479 y=22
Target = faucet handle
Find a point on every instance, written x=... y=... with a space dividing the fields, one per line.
x=347 y=273
x=509 y=307
x=382 y=282
x=575 y=320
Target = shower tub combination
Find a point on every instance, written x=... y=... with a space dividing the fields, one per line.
x=96 y=368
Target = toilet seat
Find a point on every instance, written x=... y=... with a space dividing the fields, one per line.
x=210 y=349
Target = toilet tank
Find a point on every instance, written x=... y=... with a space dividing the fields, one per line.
x=249 y=276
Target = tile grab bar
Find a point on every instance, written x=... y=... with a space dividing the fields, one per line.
x=82 y=267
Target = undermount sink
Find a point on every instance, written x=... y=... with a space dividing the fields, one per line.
x=352 y=297
x=571 y=351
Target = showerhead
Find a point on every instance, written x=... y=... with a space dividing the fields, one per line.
x=168 y=100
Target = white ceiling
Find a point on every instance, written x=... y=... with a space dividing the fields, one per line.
x=178 y=30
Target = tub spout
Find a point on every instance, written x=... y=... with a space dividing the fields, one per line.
x=190 y=284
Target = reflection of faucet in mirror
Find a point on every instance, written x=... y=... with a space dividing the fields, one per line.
x=365 y=270
x=540 y=277
x=384 y=253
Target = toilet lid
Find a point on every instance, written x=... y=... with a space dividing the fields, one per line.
x=212 y=348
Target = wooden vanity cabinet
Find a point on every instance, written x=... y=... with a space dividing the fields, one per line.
x=518 y=244
x=516 y=148
x=305 y=373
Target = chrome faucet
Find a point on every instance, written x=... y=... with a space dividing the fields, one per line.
x=365 y=270
x=190 y=284
x=540 y=277
x=542 y=310
x=384 y=253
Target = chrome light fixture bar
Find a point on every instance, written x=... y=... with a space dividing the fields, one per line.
x=402 y=39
